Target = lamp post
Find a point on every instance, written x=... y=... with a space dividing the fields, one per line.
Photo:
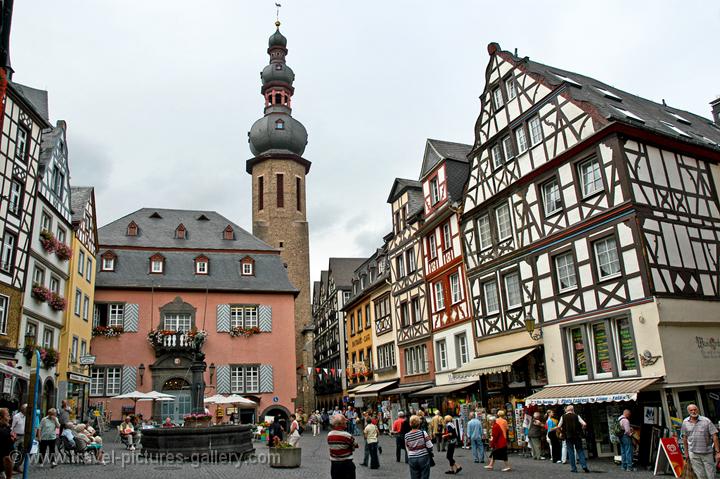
x=212 y=372
x=141 y=370
x=530 y=326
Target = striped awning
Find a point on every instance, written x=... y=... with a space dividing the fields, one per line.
x=497 y=363
x=374 y=389
x=444 y=389
x=592 y=392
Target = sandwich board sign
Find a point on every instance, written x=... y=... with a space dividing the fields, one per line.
x=669 y=454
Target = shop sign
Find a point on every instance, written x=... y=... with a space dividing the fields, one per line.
x=87 y=360
x=7 y=386
x=669 y=453
x=583 y=400
x=78 y=378
x=709 y=347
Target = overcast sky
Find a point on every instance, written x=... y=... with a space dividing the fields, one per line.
x=159 y=95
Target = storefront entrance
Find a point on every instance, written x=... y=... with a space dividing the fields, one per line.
x=182 y=405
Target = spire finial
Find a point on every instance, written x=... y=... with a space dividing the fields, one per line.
x=277 y=15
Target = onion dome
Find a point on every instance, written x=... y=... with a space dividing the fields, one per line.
x=278 y=132
x=277 y=39
x=277 y=72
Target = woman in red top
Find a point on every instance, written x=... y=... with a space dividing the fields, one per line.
x=498 y=444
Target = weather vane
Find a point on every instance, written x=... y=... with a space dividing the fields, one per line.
x=277 y=14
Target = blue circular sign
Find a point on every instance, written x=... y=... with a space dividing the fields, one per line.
x=276 y=399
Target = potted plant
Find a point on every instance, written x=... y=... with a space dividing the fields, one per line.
x=199 y=419
x=49 y=357
x=283 y=455
x=48 y=242
x=63 y=251
x=56 y=302
x=108 y=331
x=239 y=331
x=40 y=292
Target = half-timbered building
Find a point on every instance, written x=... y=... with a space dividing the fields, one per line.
x=591 y=230
x=408 y=286
x=335 y=290
x=50 y=253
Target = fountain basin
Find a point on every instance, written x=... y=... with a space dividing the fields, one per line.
x=212 y=443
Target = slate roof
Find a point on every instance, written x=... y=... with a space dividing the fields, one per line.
x=79 y=197
x=132 y=271
x=160 y=232
x=342 y=269
x=400 y=185
x=38 y=99
x=439 y=150
x=48 y=143
x=457 y=177
x=697 y=129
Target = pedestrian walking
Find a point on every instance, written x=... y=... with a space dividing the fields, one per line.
x=572 y=427
x=626 y=445
x=342 y=445
x=7 y=440
x=535 y=434
x=555 y=446
x=294 y=434
x=64 y=414
x=315 y=423
x=451 y=438
x=436 y=429
x=371 y=433
x=419 y=448
x=325 y=419
x=350 y=415
x=700 y=440
x=18 y=430
x=475 y=434
x=498 y=444
x=47 y=435
x=399 y=428
x=275 y=431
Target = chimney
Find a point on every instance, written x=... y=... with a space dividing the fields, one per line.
x=6 y=11
x=715 y=104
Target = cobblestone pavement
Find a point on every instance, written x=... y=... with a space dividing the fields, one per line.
x=315 y=464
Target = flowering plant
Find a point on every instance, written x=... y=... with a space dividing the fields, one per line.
x=56 y=302
x=108 y=331
x=277 y=443
x=367 y=373
x=49 y=357
x=63 y=251
x=41 y=293
x=238 y=331
x=197 y=416
x=48 y=241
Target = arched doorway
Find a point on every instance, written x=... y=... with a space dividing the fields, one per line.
x=182 y=405
x=48 y=396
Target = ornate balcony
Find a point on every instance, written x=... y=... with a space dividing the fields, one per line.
x=167 y=341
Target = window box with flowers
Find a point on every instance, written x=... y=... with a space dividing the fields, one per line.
x=170 y=339
x=108 y=331
x=63 y=251
x=197 y=420
x=49 y=357
x=41 y=293
x=239 y=331
x=56 y=302
x=48 y=241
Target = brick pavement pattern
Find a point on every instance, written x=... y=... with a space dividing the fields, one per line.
x=315 y=464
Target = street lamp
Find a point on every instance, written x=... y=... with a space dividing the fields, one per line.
x=212 y=371
x=530 y=326
x=141 y=370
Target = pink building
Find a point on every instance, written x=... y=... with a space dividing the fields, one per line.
x=170 y=279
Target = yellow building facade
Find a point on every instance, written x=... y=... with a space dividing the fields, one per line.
x=74 y=379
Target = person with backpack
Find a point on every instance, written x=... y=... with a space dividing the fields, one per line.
x=624 y=434
x=295 y=431
x=571 y=425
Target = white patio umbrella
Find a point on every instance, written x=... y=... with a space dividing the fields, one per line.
x=134 y=395
x=157 y=396
x=237 y=400
x=213 y=399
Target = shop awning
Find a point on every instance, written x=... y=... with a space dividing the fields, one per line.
x=356 y=389
x=4 y=368
x=497 y=363
x=444 y=389
x=373 y=389
x=407 y=389
x=593 y=392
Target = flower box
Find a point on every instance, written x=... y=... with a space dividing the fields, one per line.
x=108 y=331
x=40 y=293
x=239 y=331
x=56 y=302
x=197 y=420
x=63 y=251
x=48 y=241
x=285 y=457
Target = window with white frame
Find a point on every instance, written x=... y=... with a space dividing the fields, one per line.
x=89 y=269
x=386 y=355
x=48 y=338
x=552 y=202
x=439 y=296
x=461 y=347
x=31 y=330
x=97 y=382
x=108 y=263
x=245 y=379
x=78 y=302
x=578 y=353
x=416 y=360
x=4 y=306
x=45 y=222
x=441 y=355
x=432 y=245
x=177 y=321
x=484 y=232
x=247 y=269
x=625 y=346
x=86 y=308
x=565 y=271
x=81 y=263
x=434 y=191
x=497 y=98
x=508 y=150
x=61 y=235
x=447 y=235
x=590 y=177
x=21 y=142
x=74 y=350
x=116 y=314
x=497 y=158
x=55 y=284
x=411 y=263
x=535 y=130
x=201 y=266
x=39 y=275
x=8 y=251
x=521 y=139
x=490 y=294
x=244 y=316
x=83 y=348
x=156 y=265
x=15 y=197
x=606 y=257
x=455 y=292
x=400 y=261
x=504 y=225
x=513 y=293
x=510 y=88
x=416 y=314
x=603 y=349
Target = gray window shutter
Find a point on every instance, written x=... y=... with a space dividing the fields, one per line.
x=223 y=318
x=129 y=379
x=222 y=379
x=265 y=318
x=266 y=378
x=131 y=318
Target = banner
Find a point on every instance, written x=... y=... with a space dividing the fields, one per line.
x=669 y=454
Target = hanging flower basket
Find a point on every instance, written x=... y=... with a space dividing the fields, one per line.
x=56 y=302
x=49 y=357
x=63 y=251
x=239 y=331
x=48 y=241
x=108 y=331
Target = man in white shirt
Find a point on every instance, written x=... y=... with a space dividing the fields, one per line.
x=18 y=427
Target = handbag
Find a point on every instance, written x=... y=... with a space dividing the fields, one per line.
x=688 y=472
x=430 y=453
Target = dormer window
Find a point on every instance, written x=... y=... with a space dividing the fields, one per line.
x=180 y=232
x=132 y=229
x=434 y=191
x=229 y=233
x=247 y=266
x=108 y=261
x=157 y=264
x=279 y=125
x=202 y=265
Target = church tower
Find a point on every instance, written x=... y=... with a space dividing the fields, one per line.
x=277 y=141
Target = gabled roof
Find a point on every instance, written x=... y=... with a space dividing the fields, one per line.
x=607 y=103
x=156 y=229
x=400 y=185
x=48 y=143
x=342 y=269
x=439 y=150
x=80 y=196
x=457 y=176
x=38 y=99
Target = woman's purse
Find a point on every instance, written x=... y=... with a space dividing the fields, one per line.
x=431 y=454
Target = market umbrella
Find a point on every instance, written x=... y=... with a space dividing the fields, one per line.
x=134 y=395
x=237 y=400
x=157 y=396
x=213 y=399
